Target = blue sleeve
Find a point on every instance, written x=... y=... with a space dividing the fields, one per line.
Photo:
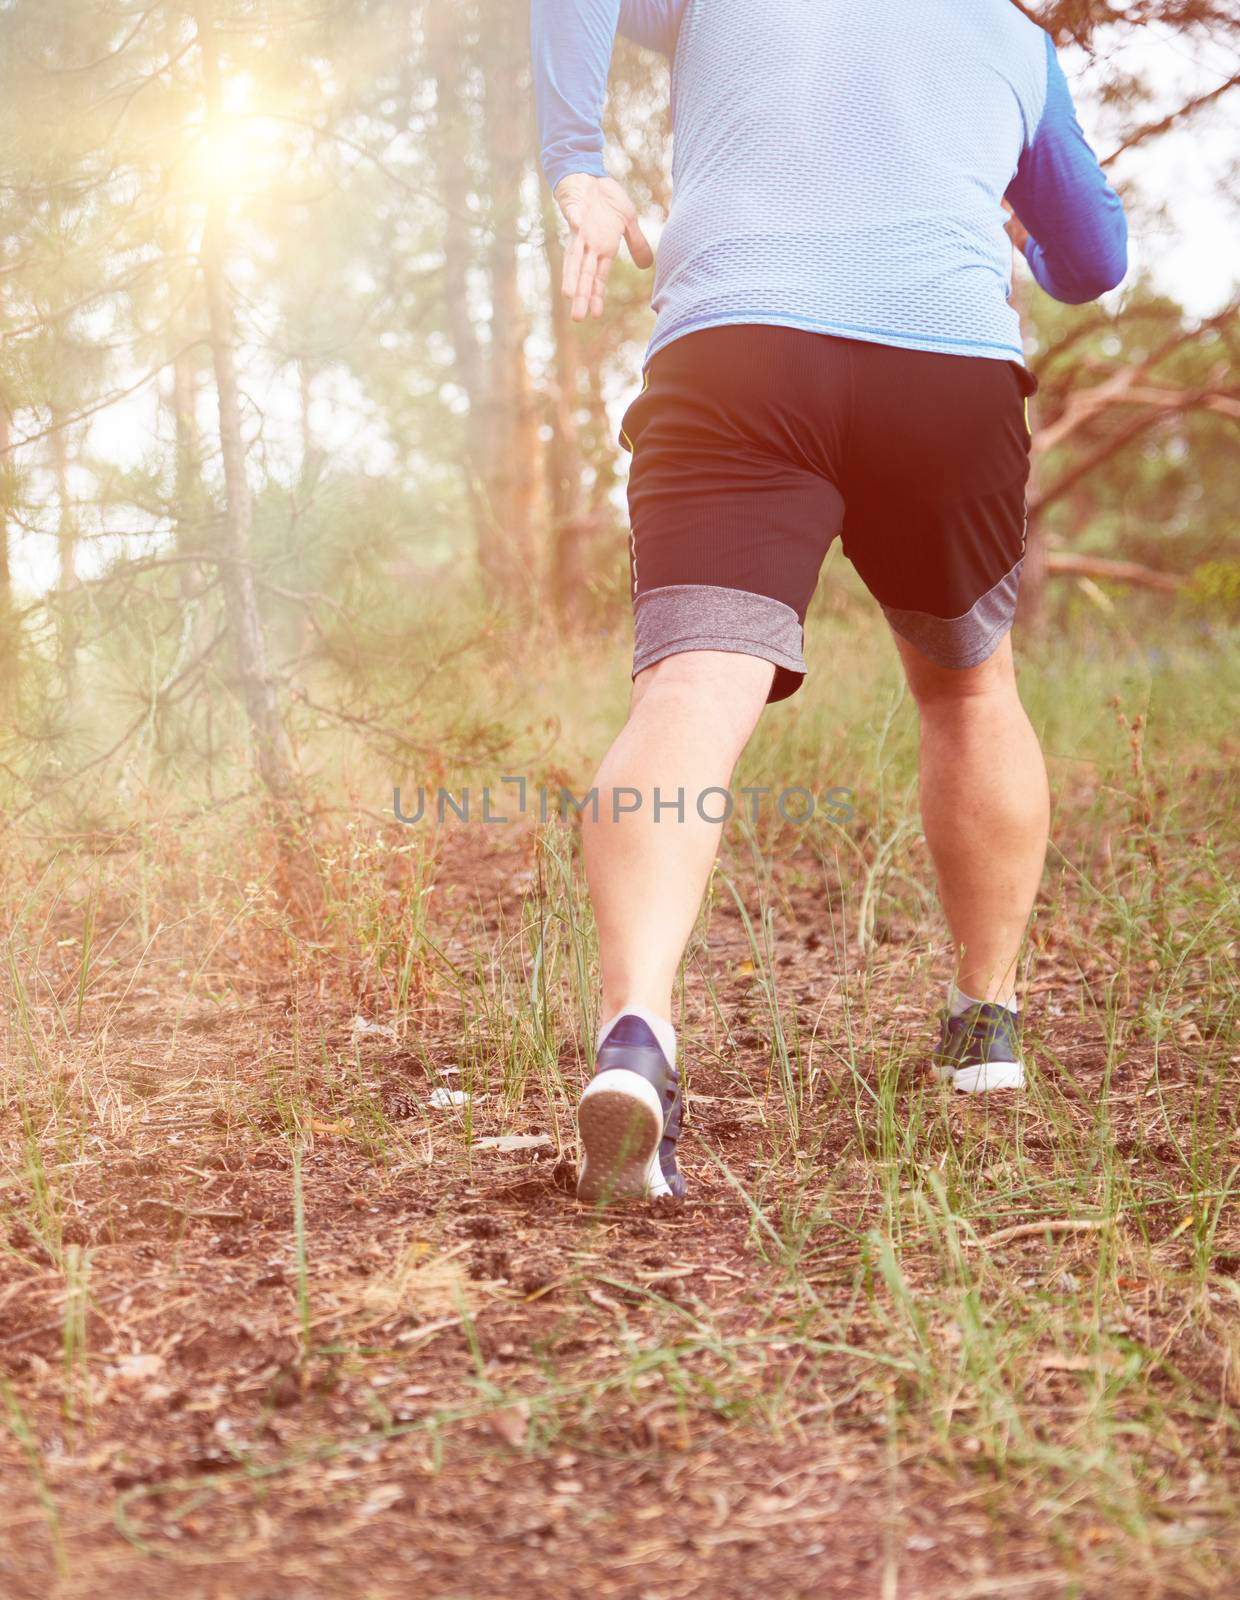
x=571 y=43
x=1078 y=238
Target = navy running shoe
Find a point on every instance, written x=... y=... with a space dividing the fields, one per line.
x=980 y=1050
x=629 y=1119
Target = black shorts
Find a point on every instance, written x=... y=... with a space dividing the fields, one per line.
x=754 y=445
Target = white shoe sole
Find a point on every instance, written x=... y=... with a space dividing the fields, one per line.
x=982 y=1079
x=620 y=1121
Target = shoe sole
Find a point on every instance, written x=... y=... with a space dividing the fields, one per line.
x=620 y=1121
x=983 y=1078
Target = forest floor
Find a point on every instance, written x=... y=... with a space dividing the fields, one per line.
x=278 y=1322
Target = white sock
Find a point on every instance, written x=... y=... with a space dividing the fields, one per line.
x=959 y=1002
x=659 y=1026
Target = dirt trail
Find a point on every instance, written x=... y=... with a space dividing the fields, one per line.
x=506 y=1394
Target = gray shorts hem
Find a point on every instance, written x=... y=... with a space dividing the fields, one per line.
x=697 y=616
x=956 y=661
x=739 y=647
x=957 y=643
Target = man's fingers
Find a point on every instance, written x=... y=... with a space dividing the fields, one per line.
x=599 y=292
x=585 y=285
x=572 y=265
x=639 y=245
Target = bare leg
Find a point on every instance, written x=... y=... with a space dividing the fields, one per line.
x=985 y=807
x=690 y=718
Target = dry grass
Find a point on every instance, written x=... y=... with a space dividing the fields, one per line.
x=272 y=1322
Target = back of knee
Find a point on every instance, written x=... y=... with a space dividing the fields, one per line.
x=725 y=686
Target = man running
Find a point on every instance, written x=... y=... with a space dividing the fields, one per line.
x=834 y=352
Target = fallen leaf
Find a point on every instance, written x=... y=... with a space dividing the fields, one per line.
x=605 y=1301
x=136 y=1367
x=363 y=1028
x=380 y=1499
x=511 y=1423
x=1061 y=1362
x=443 y=1099
x=343 y=1126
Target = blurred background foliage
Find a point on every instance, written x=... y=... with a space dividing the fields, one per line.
x=297 y=439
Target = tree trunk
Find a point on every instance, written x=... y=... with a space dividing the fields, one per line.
x=190 y=511
x=191 y=506
x=446 y=42
x=188 y=463
x=605 y=474
x=312 y=454
x=509 y=552
x=569 y=521
x=66 y=557
x=501 y=433
x=237 y=576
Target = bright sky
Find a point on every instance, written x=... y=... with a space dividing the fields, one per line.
x=1194 y=170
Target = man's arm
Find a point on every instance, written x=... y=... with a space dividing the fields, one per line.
x=572 y=43
x=1077 y=247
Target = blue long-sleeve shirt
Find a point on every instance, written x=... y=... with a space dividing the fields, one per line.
x=840 y=165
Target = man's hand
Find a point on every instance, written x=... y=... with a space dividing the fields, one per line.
x=600 y=215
